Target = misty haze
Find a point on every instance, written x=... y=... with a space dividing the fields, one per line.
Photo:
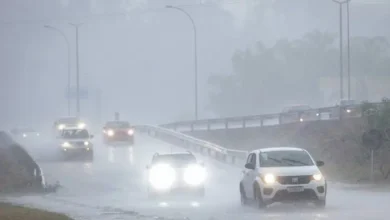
x=197 y=109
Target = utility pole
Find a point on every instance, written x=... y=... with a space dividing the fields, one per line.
x=77 y=70
x=348 y=54
x=341 y=2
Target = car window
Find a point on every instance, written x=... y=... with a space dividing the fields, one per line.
x=117 y=124
x=285 y=158
x=248 y=160
x=253 y=160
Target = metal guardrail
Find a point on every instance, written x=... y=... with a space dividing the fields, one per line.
x=215 y=151
x=327 y=113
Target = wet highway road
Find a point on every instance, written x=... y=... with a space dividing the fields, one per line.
x=114 y=187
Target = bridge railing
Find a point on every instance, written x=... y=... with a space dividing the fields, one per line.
x=327 y=113
x=215 y=151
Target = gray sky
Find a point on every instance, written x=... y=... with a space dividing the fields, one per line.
x=142 y=62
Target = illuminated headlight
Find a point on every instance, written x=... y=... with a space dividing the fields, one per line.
x=38 y=134
x=81 y=125
x=194 y=175
x=110 y=133
x=317 y=177
x=348 y=110
x=24 y=135
x=162 y=176
x=130 y=132
x=61 y=127
x=317 y=114
x=301 y=119
x=269 y=179
x=86 y=143
x=66 y=144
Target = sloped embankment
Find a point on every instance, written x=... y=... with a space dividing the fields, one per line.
x=338 y=143
x=18 y=170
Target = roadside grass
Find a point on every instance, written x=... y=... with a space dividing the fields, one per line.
x=13 y=212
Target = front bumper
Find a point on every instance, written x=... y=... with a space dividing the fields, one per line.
x=314 y=190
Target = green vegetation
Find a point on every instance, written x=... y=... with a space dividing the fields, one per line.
x=12 y=212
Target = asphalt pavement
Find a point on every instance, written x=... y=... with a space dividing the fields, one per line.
x=113 y=186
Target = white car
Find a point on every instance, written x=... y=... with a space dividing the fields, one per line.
x=76 y=143
x=283 y=174
x=176 y=174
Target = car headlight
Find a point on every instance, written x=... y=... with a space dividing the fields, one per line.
x=317 y=177
x=66 y=144
x=130 y=132
x=24 y=135
x=348 y=110
x=194 y=175
x=301 y=119
x=110 y=133
x=38 y=134
x=162 y=176
x=81 y=125
x=86 y=143
x=269 y=179
x=61 y=127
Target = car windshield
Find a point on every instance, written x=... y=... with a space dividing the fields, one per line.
x=285 y=158
x=75 y=134
x=175 y=159
x=118 y=124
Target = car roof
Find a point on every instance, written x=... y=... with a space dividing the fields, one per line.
x=73 y=128
x=272 y=149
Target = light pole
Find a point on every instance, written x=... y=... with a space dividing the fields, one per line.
x=195 y=56
x=67 y=43
x=348 y=54
x=77 y=69
x=341 y=2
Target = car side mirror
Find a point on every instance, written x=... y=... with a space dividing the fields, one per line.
x=320 y=163
x=249 y=166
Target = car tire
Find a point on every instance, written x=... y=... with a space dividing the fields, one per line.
x=243 y=198
x=259 y=198
x=320 y=203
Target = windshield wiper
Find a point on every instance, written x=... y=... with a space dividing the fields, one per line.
x=295 y=161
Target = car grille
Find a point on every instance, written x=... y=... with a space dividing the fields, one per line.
x=292 y=180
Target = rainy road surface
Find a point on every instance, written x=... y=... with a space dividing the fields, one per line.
x=114 y=187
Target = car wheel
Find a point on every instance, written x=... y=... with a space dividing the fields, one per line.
x=320 y=203
x=259 y=198
x=243 y=198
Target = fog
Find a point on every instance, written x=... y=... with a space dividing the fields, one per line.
x=139 y=55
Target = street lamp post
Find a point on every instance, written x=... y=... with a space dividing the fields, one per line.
x=341 y=2
x=348 y=54
x=67 y=43
x=195 y=56
x=77 y=69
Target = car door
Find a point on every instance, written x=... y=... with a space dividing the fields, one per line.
x=250 y=175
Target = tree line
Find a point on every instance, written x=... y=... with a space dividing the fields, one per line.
x=265 y=79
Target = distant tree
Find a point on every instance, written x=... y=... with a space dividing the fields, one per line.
x=265 y=79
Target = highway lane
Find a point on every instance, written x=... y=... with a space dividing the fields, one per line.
x=114 y=187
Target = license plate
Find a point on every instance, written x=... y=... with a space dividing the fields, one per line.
x=295 y=189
